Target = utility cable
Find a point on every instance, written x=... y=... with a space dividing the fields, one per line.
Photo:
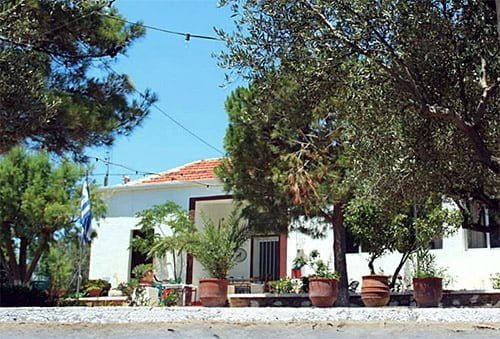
x=187 y=36
x=138 y=172
x=168 y=116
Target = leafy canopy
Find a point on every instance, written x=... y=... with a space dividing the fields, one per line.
x=55 y=90
x=214 y=245
x=39 y=203
x=420 y=87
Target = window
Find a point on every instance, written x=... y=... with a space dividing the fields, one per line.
x=351 y=245
x=476 y=239
x=485 y=239
x=436 y=244
x=495 y=239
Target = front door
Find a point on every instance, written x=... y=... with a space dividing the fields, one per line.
x=266 y=258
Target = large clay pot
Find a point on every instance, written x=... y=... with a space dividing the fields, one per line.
x=213 y=292
x=427 y=291
x=323 y=292
x=375 y=290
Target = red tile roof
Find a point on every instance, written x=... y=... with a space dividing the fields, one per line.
x=195 y=171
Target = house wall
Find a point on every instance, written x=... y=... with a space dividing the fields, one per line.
x=217 y=210
x=467 y=268
x=110 y=254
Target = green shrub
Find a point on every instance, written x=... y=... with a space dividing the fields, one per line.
x=495 y=280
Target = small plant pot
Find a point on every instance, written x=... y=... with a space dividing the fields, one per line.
x=296 y=273
x=213 y=292
x=323 y=292
x=94 y=292
x=148 y=278
x=427 y=291
x=375 y=290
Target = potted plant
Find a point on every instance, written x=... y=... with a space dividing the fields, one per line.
x=376 y=233
x=297 y=265
x=96 y=287
x=323 y=283
x=215 y=247
x=145 y=274
x=427 y=279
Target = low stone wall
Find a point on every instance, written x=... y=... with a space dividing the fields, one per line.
x=450 y=299
x=269 y=300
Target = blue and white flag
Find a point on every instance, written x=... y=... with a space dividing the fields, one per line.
x=86 y=214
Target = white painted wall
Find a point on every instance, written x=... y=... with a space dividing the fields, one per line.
x=468 y=268
x=110 y=255
x=216 y=210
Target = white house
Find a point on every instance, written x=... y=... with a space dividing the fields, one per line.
x=470 y=257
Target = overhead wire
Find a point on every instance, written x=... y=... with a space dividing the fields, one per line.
x=139 y=172
x=187 y=36
x=168 y=116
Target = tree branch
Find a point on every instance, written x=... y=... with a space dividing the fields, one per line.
x=476 y=141
x=36 y=257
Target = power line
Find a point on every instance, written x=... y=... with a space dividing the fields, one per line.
x=138 y=172
x=187 y=36
x=171 y=118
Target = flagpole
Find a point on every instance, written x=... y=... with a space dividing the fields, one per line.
x=79 y=277
x=85 y=219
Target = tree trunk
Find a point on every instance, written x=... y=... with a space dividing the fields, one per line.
x=36 y=258
x=23 y=249
x=395 y=275
x=339 y=235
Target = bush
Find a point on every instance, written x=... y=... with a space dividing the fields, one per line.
x=17 y=296
x=101 y=284
x=495 y=280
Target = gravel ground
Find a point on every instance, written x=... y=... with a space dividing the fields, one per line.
x=199 y=322
x=120 y=315
x=345 y=330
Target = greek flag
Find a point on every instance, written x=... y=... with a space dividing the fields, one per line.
x=86 y=214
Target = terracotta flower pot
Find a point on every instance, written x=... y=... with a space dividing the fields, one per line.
x=148 y=278
x=213 y=292
x=375 y=290
x=95 y=292
x=427 y=291
x=323 y=292
x=296 y=273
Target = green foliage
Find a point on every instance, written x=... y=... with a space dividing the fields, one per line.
x=415 y=83
x=58 y=265
x=299 y=262
x=424 y=264
x=495 y=280
x=286 y=285
x=170 y=297
x=321 y=269
x=50 y=95
x=141 y=270
x=381 y=231
x=154 y=243
x=93 y=284
x=19 y=296
x=39 y=204
x=214 y=246
x=127 y=289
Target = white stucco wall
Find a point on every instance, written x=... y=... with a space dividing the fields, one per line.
x=467 y=268
x=110 y=255
x=216 y=210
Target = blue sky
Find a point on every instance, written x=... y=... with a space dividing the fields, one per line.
x=186 y=79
